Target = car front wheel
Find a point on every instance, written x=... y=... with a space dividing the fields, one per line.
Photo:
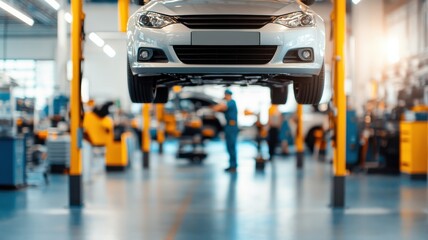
x=141 y=89
x=309 y=90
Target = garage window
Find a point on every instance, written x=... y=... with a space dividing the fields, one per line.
x=34 y=77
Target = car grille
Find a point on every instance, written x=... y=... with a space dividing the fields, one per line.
x=225 y=54
x=224 y=21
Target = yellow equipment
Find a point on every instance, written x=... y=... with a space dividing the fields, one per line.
x=420 y=108
x=117 y=152
x=208 y=132
x=97 y=130
x=42 y=134
x=171 y=125
x=414 y=149
x=191 y=144
x=194 y=123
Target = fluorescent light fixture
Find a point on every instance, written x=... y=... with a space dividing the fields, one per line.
x=68 y=17
x=15 y=12
x=54 y=4
x=96 y=39
x=356 y=1
x=109 y=51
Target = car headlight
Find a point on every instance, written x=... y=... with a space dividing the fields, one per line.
x=154 y=20
x=296 y=19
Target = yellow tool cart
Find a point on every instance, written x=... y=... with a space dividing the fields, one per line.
x=118 y=152
x=414 y=149
x=101 y=132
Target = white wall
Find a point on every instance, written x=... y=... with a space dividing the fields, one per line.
x=28 y=48
x=402 y=24
x=369 y=49
x=380 y=41
x=107 y=76
x=103 y=17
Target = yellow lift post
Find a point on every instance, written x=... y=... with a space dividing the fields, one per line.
x=123 y=14
x=300 y=145
x=146 y=134
x=75 y=177
x=339 y=156
x=160 y=133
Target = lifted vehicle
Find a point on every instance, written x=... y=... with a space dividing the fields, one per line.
x=244 y=42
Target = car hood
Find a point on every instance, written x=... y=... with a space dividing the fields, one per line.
x=223 y=7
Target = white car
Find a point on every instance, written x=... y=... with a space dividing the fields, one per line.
x=269 y=43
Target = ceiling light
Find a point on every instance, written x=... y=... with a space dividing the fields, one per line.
x=96 y=39
x=109 y=51
x=67 y=17
x=15 y=12
x=356 y=1
x=54 y=4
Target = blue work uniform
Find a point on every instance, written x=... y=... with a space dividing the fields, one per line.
x=231 y=131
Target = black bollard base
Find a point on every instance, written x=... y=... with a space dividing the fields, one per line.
x=338 y=192
x=160 y=148
x=299 y=159
x=146 y=162
x=75 y=192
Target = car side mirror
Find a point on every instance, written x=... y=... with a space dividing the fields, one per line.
x=139 y=2
x=308 y=2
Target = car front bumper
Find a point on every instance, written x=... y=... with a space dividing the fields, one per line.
x=270 y=35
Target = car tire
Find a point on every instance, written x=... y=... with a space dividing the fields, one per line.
x=309 y=90
x=162 y=94
x=141 y=89
x=278 y=95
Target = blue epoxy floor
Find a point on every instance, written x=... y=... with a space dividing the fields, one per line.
x=175 y=200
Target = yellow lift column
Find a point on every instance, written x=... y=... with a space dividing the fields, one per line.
x=146 y=134
x=160 y=133
x=300 y=145
x=75 y=177
x=123 y=13
x=339 y=157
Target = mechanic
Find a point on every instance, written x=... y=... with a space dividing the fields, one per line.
x=231 y=130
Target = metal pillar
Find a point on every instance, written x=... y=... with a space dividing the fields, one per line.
x=300 y=145
x=75 y=178
x=339 y=158
x=160 y=133
x=146 y=134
